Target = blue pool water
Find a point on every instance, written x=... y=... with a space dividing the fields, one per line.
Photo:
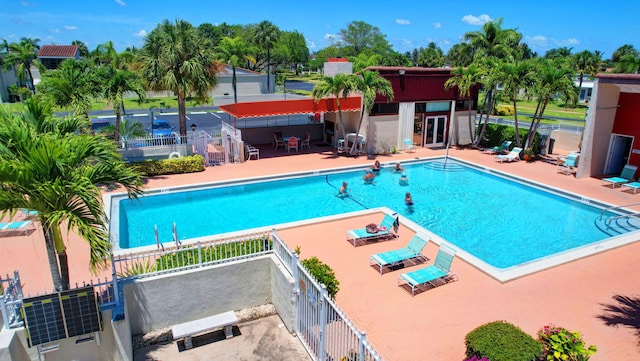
x=500 y=221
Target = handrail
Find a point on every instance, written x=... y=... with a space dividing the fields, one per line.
x=622 y=206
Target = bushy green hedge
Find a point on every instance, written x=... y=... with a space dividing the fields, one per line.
x=190 y=164
x=323 y=274
x=495 y=134
x=504 y=110
x=502 y=341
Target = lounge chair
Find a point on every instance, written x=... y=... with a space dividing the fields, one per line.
x=514 y=154
x=632 y=185
x=434 y=275
x=626 y=176
x=409 y=146
x=16 y=226
x=29 y=213
x=569 y=165
x=388 y=229
x=504 y=147
x=411 y=253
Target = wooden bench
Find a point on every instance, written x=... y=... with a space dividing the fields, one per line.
x=186 y=330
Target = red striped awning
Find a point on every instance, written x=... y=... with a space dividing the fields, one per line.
x=289 y=107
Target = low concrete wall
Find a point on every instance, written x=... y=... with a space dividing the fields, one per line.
x=123 y=344
x=11 y=348
x=154 y=153
x=164 y=301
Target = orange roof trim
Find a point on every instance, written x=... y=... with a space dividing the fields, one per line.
x=289 y=107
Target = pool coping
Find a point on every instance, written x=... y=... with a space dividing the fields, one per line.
x=500 y=274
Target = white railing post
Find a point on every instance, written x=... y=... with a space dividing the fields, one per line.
x=114 y=276
x=199 y=254
x=362 y=338
x=322 y=322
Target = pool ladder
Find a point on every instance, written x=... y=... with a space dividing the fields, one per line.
x=619 y=223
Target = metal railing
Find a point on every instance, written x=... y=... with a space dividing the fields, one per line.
x=144 y=142
x=11 y=300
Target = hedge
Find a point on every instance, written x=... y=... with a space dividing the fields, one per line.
x=495 y=134
x=502 y=341
x=189 y=164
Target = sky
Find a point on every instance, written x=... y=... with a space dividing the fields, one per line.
x=580 y=25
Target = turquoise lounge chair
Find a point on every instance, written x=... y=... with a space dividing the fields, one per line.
x=411 y=253
x=514 y=154
x=633 y=185
x=627 y=175
x=387 y=229
x=439 y=272
x=569 y=165
x=15 y=226
x=504 y=147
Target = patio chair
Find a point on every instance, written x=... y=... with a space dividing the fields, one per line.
x=514 y=154
x=432 y=276
x=292 y=143
x=627 y=175
x=504 y=147
x=388 y=229
x=252 y=151
x=569 y=165
x=29 y=213
x=409 y=146
x=16 y=226
x=632 y=185
x=306 y=141
x=412 y=253
x=278 y=141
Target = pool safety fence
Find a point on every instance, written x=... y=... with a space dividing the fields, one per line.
x=324 y=330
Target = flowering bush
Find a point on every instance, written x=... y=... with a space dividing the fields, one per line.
x=476 y=358
x=560 y=344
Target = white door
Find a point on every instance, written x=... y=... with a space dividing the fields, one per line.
x=434 y=130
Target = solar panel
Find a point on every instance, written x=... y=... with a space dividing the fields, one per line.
x=56 y=316
x=43 y=319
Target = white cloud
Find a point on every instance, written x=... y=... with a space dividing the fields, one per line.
x=571 y=41
x=437 y=25
x=476 y=20
x=537 y=41
x=121 y=3
x=403 y=22
x=310 y=44
x=70 y=27
x=141 y=34
x=407 y=43
x=55 y=31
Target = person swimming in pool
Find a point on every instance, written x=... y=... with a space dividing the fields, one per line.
x=408 y=199
x=368 y=177
x=398 y=168
x=403 y=181
x=376 y=166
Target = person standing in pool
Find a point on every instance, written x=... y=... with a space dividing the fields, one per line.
x=408 y=199
x=368 y=177
x=376 y=167
x=403 y=181
x=343 y=190
x=398 y=168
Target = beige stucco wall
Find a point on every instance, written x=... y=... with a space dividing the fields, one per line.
x=383 y=133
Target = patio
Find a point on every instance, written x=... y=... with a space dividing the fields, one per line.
x=574 y=295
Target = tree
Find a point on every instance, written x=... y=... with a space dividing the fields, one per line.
x=626 y=49
x=22 y=55
x=465 y=79
x=431 y=57
x=460 y=54
x=516 y=76
x=338 y=86
x=128 y=130
x=70 y=86
x=232 y=51
x=360 y=36
x=82 y=48
x=492 y=40
x=266 y=35
x=291 y=50
x=563 y=52
x=46 y=166
x=629 y=64
x=552 y=76
x=369 y=84
x=113 y=84
x=177 y=58
x=585 y=62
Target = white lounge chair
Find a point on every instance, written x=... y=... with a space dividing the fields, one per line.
x=514 y=154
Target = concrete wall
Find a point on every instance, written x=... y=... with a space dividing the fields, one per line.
x=11 y=347
x=154 y=153
x=383 y=133
x=164 y=301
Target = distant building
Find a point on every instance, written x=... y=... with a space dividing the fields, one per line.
x=52 y=55
x=335 y=66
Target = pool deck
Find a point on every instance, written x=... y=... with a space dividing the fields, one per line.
x=432 y=325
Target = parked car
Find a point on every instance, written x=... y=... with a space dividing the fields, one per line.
x=98 y=125
x=161 y=131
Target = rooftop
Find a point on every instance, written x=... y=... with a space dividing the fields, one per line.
x=58 y=51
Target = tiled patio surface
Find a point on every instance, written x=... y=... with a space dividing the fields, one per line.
x=431 y=325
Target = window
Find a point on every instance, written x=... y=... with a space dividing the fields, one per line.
x=385 y=108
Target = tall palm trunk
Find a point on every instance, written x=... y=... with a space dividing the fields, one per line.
x=116 y=134
x=353 y=147
x=491 y=101
x=515 y=118
x=31 y=84
x=182 y=112
x=268 y=71
x=233 y=84
x=51 y=256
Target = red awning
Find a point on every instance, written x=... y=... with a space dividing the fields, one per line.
x=289 y=107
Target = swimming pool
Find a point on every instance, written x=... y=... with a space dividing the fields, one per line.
x=499 y=221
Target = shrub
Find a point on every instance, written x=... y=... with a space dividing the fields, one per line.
x=495 y=134
x=502 y=341
x=560 y=344
x=476 y=358
x=190 y=164
x=323 y=274
x=504 y=110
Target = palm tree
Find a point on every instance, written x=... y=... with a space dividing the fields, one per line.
x=628 y=64
x=23 y=55
x=177 y=58
x=82 y=48
x=339 y=86
x=585 y=62
x=465 y=79
x=516 y=76
x=552 y=76
x=47 y=167
x=232 y=51
x=70 y=86
x=370 y=84
x=114 y=83
x=266 y=35
x=128 y=130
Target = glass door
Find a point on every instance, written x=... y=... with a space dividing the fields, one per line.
x=435 y=130
x=417 y=130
